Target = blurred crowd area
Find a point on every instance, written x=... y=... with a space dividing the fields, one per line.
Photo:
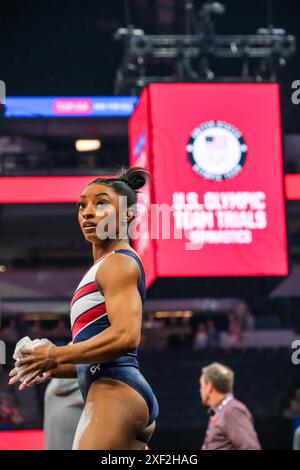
x=177 y=333
x=13 y=405
x=179 y=344
x=181 y=329
x=205 y=332
x=16 y=327
x=164 y=332
x=11 y=416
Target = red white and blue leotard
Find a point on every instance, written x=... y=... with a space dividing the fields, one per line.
x=89 y=318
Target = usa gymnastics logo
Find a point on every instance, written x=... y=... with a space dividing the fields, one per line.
x=217 y=150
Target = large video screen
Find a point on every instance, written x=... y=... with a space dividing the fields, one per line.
x=215 y=154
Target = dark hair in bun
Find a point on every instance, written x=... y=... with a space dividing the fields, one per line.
x=127 y=183
x=135 y=177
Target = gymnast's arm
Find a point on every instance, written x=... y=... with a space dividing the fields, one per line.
x=117 y=278
x=65 y=371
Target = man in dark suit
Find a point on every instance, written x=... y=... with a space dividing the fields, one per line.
x=230 y=424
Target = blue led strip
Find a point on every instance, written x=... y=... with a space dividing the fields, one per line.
x=54 y=107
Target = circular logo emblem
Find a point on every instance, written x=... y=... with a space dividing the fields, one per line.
x=217 y=150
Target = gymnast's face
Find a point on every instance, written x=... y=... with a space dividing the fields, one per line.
x=98 y=212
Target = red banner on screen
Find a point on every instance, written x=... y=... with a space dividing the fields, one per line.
x=22 y=440
x=292 y=187
x=215 y=155
x=140 y=148
x=52 y=189
x=43 y=189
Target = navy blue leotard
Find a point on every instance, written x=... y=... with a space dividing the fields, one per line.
x=89 y=318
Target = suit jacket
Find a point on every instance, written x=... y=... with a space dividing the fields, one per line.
x=231 y=428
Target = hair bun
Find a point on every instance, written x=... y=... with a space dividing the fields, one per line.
x=135 y=177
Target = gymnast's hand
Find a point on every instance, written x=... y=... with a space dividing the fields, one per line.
x=35 y=365
x=15 y=377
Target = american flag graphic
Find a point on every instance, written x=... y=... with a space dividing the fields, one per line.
x=217 y=142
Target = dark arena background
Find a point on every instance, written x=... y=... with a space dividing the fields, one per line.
x=206 y=96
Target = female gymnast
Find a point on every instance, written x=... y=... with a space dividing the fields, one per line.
x=106 y=315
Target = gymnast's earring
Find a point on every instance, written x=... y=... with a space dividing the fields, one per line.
x=123 y=229
x=126 y=221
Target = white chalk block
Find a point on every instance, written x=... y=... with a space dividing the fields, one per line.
x=26 y=344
